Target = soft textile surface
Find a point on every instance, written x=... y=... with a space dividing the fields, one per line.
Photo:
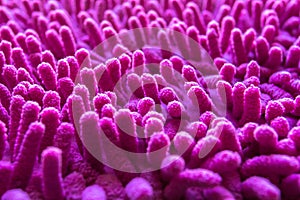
x=146 y=99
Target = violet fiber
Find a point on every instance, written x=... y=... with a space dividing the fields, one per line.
x=25 y=160
x=2 y=138
x=149 y=99
x=51 y=173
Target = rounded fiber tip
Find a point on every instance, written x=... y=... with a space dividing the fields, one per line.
x=175 y=109
x=171 y=166
x=15 y=194
x=139 y=188
x=260 y=188
x=93 y=192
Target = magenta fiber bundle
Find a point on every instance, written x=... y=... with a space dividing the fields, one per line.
x=149 y=99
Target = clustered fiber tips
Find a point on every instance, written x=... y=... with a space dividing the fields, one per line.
x=169 y=99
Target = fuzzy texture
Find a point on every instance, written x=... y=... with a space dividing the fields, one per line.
x=51 y=172
x=290 y=186
x=139 y=188
x=205 y=93
x=89 y=134
x=196 y=178
x=260 y=188
x=93 y=192
x=15 y=194
x=25 y=160
x=171 y=166
x=266 y=137
x=5 y=174
x=3 y=139
x=29 y=114
x=265 y=165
